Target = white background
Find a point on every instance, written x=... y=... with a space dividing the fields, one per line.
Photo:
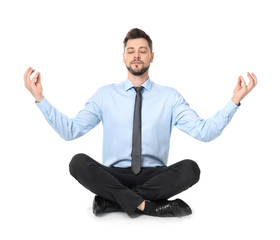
x=201 y=47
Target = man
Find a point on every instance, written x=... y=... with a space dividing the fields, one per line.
x=138 y=116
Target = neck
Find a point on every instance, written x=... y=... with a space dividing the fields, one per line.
x=137 y=81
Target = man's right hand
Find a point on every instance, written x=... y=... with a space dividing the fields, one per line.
x=34 y=86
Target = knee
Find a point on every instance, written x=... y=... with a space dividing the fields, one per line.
x=191 y=170
x=77 y=163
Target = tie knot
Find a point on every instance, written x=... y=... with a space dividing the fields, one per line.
x=138 y=89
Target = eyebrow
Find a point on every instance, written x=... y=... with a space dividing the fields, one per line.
x=133 y=48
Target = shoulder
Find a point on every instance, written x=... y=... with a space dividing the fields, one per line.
x=164 y=89
x=106 y=89
x=171 y=94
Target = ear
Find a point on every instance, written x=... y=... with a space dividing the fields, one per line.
x=123 y=58
x=152 y=57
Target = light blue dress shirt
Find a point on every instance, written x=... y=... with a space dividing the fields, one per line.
x=162 y=108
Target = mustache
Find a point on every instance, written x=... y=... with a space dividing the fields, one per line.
x=137 y=61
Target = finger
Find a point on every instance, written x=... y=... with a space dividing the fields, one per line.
x=29 y=73
x=34 y=79
x=39 y=77
x=243 y=82
x=255 y=78
x=239 y=82
x=250 y=76
x=252 y=82
x=38 y=83
x=38 y=80
x=27 y=77
x=25 y=74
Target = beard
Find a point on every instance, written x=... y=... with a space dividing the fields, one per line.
x=138 y=71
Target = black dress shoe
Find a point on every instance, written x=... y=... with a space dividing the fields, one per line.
x=102 y=205
x=174 y=208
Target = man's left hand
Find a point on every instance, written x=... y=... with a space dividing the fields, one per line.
x=241 y=89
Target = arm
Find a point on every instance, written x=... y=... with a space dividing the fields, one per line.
x=187 y=120
x=67 y=128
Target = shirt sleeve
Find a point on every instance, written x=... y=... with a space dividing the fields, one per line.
x=188 y=121
x=72 y=128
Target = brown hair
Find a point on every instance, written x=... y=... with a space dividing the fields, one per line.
x=138 y=33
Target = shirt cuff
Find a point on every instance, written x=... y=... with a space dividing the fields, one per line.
x=44 y=105
x=231 y=107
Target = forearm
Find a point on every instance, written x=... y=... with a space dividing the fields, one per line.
x=211 y=128
x=67 y=128
x=205 y=129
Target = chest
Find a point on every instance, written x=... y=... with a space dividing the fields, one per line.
x=119 y=110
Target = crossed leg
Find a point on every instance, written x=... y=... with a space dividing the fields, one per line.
x=174 y=179
x=120 y=185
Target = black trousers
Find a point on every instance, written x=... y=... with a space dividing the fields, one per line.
x=120 y=185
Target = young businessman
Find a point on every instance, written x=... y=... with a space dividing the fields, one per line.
x=138 y=116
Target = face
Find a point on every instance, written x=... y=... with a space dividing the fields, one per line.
x=137 y=56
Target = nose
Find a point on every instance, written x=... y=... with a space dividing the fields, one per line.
x=137 y=55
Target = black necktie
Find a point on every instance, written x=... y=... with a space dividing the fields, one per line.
x=136 y=136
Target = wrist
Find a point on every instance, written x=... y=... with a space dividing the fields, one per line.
x=39 y=98
x=235 y=101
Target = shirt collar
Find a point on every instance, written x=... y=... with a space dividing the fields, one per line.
x=128 y=84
